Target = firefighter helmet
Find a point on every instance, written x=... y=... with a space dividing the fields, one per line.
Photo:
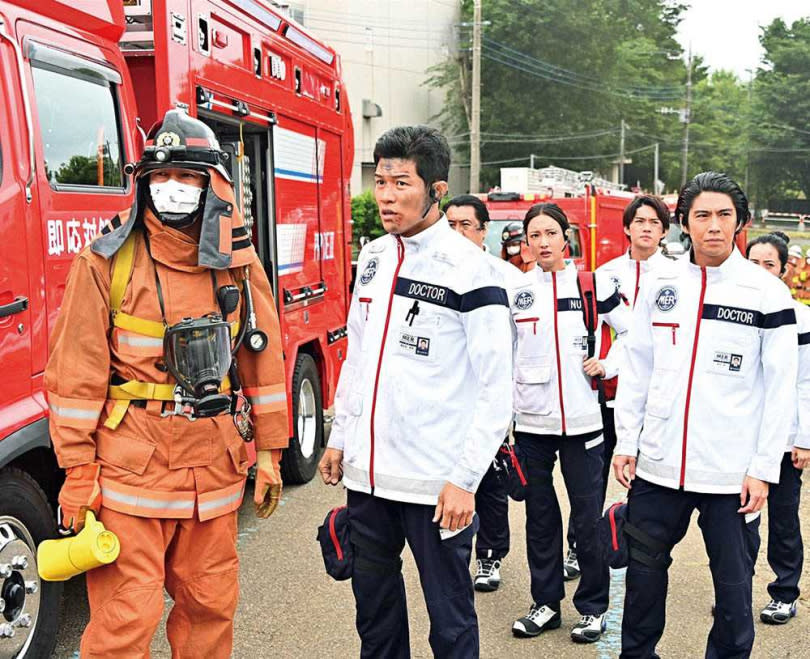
x=182 y=141
x=512 y=233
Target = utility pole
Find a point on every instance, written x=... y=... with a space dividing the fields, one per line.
x=621 y=152
x=655 y=171
x=687 y=118
x=475 y=118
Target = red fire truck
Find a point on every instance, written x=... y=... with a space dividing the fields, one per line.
x=73 y=105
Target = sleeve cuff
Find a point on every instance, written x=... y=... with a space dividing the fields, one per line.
x=336 y=440
x=629 y=449
x=465 y=478
x=764 y=469
x=271 y=431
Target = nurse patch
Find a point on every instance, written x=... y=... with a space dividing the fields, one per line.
x=666 y=298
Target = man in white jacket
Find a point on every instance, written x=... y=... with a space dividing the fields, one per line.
x=423 y=403
x=705 y=401
x=469 y=216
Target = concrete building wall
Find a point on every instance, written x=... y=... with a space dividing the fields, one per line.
x=386 y=49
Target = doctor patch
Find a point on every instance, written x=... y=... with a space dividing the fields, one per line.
x=369 y=271
x=666 y=298
x=524 y=300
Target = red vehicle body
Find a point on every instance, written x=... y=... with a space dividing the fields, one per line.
x=72 y=103
x=597 y=234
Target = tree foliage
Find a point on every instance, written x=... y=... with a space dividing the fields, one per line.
x=365 y=217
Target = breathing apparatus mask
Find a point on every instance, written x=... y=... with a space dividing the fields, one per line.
x=197 y=352
x=513 y=249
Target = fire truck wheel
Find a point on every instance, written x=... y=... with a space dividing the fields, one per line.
x=29 y=607
x=306 y=445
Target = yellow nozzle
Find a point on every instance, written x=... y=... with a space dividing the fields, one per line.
x=94 y=546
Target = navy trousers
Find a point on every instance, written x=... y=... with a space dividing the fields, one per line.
x=581 y=463
x=785 y=548
x=492 y=506
x=379 y=529
x=664 y=514
x=609 y=433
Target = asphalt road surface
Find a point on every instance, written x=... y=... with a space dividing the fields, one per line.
x=290 y=608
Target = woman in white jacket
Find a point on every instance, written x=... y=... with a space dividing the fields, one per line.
x=557 y=411
x=785 y=548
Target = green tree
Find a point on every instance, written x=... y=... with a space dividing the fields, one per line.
x=365 y=218
x=781 y=112
x=553 y=67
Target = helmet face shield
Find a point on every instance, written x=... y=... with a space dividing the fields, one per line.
x=198 y=354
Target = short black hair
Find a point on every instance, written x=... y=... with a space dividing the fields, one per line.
x=778 y=240
x=656 y=203
x=480 y=208
x=712 y=182
x=552 y=210
x=425 y=146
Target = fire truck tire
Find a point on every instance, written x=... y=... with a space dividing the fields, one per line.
x=26 y=515
x=300 y=461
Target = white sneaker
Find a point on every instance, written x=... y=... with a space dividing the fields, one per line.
x=570 y=566
x=778 y=613
x=589 y=629
x=538 y=620
x=488 y=575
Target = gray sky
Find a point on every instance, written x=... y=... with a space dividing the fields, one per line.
x=726 y=32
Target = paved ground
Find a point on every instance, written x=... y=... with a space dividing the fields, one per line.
x=289 y=608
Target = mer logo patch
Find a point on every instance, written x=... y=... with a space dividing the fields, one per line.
x=666 y=298
x=369 y=271
x=728 y=360
x=524 y=300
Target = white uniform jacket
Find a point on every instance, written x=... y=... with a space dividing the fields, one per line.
x=708 y=386
x=800 y=430
x=424 y=396
x=625 y=272
x=552 y=394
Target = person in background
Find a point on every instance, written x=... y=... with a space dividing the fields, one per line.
x=468 y=215
x=646 y=223
x=785 y=547
x=704 y=405
x=514 y=248
x=557 y=411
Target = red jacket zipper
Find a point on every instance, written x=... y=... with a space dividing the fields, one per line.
x=692 y=372
x=673 y=326
x=557 y=346
x=333 y=533
x=638 y=278
x=400 y=259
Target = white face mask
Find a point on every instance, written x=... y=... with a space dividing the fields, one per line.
x=175 y=197
x=512 y=250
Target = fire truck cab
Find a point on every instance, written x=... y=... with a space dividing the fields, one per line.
x=74 y=104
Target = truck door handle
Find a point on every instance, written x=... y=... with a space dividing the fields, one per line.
x=19 y=305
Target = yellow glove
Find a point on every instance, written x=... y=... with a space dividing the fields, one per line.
x=268 y=482
x=80 y=493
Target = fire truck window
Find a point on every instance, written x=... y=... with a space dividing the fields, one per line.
x=573 y=242
x=79 y=128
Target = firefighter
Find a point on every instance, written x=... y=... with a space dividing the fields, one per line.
x=704 y=405
x=468 y=215
x=785 y=548
x=422 y=405
x=515 y=249
x=557 y=411
x=646 y=222
x=149 y=413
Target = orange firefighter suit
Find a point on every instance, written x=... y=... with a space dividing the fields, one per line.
x=170 y=486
